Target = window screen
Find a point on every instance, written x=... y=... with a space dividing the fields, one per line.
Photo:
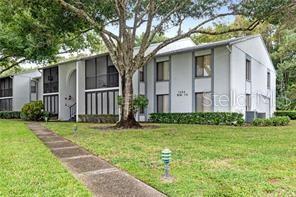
x=6 y=87
x=51 y=80
x=101 y=73
x=6 y=104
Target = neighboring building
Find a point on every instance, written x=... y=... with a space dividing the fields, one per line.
x=19 y=89
x=234 y=75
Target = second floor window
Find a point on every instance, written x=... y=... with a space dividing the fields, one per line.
x=6 y=87
x=248 y=70
x=51 y=80
x=163 y=71
x=141 y=74
x=33 y=86
x=101 y=73
x=203 y=66
x=268 y=80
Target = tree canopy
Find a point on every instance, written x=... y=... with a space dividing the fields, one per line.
x=43 y=27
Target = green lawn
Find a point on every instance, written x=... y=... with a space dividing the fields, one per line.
x=207 y=160
x=27 y=167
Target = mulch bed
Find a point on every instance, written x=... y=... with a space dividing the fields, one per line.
x=112 y=127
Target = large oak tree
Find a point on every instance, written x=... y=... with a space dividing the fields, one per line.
x=118 y=22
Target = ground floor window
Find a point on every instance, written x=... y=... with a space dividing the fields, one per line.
x=163 y=103
x=102 y=102
x=6 y=104
x=203 y=102
x=51 y=104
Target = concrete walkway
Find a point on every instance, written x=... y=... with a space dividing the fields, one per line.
x=101 y=178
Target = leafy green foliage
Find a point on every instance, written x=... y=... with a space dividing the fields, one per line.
x=208 y=118
x=157 y=39
x=33 y=111
x=120 y=100
x=140 y=102
x=290 y=114
x=38 y=31
x=274 y=121
x=10 y=115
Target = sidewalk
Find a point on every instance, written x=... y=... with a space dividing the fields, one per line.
x=101 y=178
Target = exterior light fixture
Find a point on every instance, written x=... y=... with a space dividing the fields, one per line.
x=166 y=158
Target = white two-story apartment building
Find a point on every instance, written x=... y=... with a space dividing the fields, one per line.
x=234 y=75
x=19 y=89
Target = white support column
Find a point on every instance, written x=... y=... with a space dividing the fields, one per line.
x=80 y=88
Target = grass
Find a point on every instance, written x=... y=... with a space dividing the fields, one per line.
x=207 y=160
x=27 y=167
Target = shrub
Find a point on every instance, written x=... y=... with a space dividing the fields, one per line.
x=10 y=115
x=209 y=118
x=290 y=114
x=33 y=111
x=274 y=121
x=104 y=118
x=139 y=102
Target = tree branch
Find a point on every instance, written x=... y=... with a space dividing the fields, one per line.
x=12 y=65
x=80 y=13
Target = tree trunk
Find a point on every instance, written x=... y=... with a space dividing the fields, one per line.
x=127 y=118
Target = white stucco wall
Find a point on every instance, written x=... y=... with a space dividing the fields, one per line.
x=150 y=86
x=181 y=82
x=238 y=82
x=221 y=79
x=21 y=89
x=80 y=88
x=260 y=64
x=67 y=88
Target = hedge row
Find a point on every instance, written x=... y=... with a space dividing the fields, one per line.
x=290 y=114
x=274 y=121
x=10 y=115
x=207 y=118
x=98 y=118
